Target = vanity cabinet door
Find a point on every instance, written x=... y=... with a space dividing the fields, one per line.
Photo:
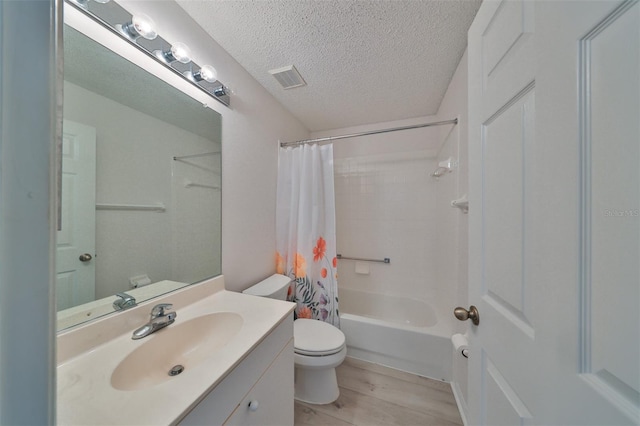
x=228 y=397
x=270 y=401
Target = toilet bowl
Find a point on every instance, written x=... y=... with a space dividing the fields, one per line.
x=319 y=348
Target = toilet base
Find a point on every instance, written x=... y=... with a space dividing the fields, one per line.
x=316 y=386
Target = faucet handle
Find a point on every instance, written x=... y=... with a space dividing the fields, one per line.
x=159 y=309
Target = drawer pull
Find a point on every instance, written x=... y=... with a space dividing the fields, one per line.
x=253 y=405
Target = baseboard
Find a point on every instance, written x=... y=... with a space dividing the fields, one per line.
x=462 y=405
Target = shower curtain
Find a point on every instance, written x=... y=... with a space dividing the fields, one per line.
x=306 y=230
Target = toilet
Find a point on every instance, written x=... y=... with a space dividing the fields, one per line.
x=319 y=348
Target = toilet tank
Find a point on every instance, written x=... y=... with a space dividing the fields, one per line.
x=274 y=287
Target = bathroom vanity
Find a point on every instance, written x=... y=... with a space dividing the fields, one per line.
x=228 y=357
x=257 y=391
x=236 y=352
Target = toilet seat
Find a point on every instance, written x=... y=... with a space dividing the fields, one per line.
x=318 y=353
x=316 y=338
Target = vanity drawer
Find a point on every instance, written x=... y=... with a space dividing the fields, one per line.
x=216 y=406
x=270 y=401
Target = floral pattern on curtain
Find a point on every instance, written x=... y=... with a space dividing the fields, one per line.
x=306 y=231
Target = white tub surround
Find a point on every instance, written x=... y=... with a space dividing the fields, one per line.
x=384 y=307
x=89 y=354
x=397 y=332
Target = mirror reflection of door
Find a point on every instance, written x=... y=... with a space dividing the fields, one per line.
x=75 y=272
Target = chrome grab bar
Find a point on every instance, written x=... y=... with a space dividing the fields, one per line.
x=385 y=260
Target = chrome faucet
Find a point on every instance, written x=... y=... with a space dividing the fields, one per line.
x=160 y=318
x=125 y=301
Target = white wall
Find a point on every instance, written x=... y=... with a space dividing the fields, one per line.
x=452 y=235
x=251 y=128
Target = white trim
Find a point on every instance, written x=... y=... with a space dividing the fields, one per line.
x=460 y=402
x=28 y=126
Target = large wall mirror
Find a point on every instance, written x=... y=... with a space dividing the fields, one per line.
x=141 y=185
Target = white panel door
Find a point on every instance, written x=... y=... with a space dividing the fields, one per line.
x=554 y=231
x=75 y=278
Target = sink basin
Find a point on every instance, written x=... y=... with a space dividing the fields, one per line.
x=186 y=344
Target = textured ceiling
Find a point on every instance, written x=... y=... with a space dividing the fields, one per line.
x=364 y=61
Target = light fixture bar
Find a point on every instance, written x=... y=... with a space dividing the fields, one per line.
x=116 y=19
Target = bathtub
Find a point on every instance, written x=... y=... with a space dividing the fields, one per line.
x=398 y=332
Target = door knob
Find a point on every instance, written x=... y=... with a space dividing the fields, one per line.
x=462 y=314
x=85 y=257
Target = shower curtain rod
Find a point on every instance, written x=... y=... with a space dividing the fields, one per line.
x=373 y=132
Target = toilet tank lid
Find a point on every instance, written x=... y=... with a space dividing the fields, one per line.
x=268 y=286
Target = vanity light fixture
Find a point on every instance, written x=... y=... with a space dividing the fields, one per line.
x=179 y=52
x=140 y=31
x=140 y=26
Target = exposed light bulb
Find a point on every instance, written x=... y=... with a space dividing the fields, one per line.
x=181 y=52
x=144 y=26
x=178 y=52
x=206 y=73
x=140 y=26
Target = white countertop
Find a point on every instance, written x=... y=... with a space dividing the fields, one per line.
x=85 y=395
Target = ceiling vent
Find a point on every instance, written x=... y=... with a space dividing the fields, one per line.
x=288 y=77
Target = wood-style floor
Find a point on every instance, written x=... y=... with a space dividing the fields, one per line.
x=374 y=395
